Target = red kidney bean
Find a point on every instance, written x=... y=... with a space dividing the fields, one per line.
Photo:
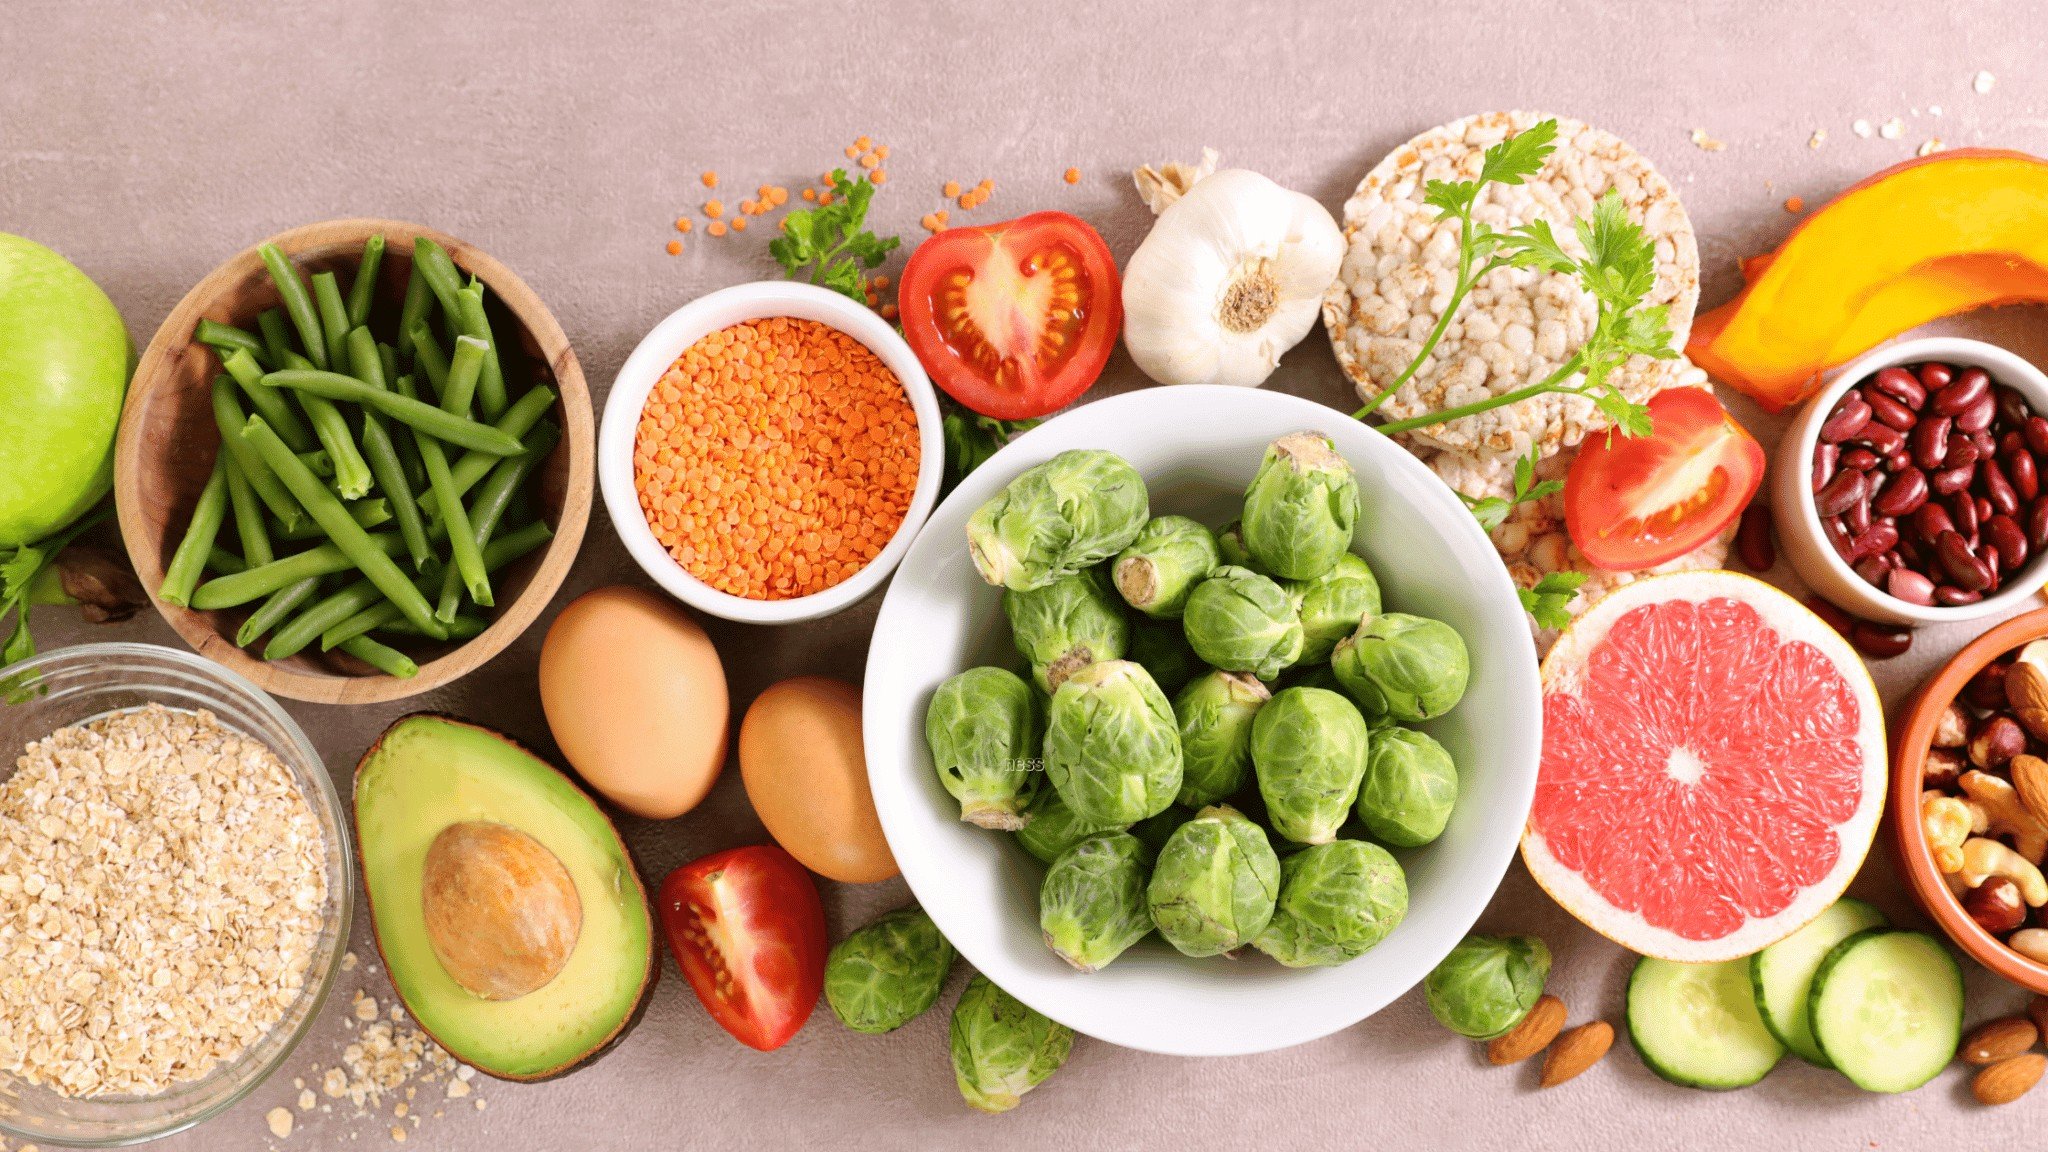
x=1964 y=509
x=1838 y=536
x=2003 y=535
x=1994 y=566
x=1977 y=417
x=1884 y=408
x=1904 y=495
x=1880 y=641
x=1930 y=441
x=2036 y=432
x=1825 y=459
x=1876 y=539
x=1901 y=386
x=1849 y=487
x=1986 y=442
x=1849 y=417
x=1935 y=376
x=1950 y=596
x=1964 y=391
x=1861 y=459
x=2037 y=524
x=1857 y=518
x=1873 y=569
x=1898 y=461
x=2004 y=501
x=1830 y=615
x=2012 y=407
x=1984 y=509
x=1931 y=520
x=1962 y=452
x=2024 y=474
x=1951 y=479
x=2012 y=440
x=1960 y=563
x=1882 y=439
x=1910 y=586
x=1753 y=540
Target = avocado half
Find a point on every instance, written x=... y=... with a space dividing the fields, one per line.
x=428 y=774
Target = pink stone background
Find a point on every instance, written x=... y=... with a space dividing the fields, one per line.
x=148 y=143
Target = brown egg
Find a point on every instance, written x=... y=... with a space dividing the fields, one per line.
x=801 y=758
x=635 y=695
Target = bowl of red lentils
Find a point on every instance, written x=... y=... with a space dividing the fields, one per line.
x=769 y=451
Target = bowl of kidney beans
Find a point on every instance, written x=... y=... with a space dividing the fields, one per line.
x=1910 y=490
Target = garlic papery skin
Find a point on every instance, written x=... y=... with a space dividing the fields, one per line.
x=1231 y=276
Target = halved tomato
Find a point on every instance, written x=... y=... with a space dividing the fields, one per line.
x=1637 y=502
x=1014 y=320
x=748 y=932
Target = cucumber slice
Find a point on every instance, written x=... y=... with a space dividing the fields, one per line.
x=1782 y=974
x=1888 y=1009
x=1697 y=1024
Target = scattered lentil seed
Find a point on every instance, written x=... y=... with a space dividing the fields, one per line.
x=870 y=161
x=739 y=224
x=1795 y=204
x=879 y=176
x=675 y=247
x=715 y=228
x=951 y=189
x=710 y=179
x=1073 y=176
x=714 y=208
x=810 y=193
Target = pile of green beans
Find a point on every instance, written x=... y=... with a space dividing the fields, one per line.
x=372 y=486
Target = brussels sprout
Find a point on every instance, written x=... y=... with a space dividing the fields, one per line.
x=1309 y=750
x=1092 y=904
x=1337 y=900
x=1166 y=561
x=1002 y=1049
x=1487 y=984
x=1050 y=827
x=1407 y=667
x=1213 y=888
x=1215 y=718
x=1067 y=625
x=1230 y=546
x=885 y=975
x=1332 y=605
x=1409 y=789
x=1301 y=507
x=1241 y=621
x=1162 y=647
x=1079 y=508
x=1111 y=747
x=983 y=727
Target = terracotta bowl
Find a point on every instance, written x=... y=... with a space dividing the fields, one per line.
x=1916 y=734
x=168 y=441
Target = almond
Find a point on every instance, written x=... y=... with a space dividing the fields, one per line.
x=2009 y=1079
x=1999 y=1039
x=1531 y=1036
x=2030 y=780
x=2026 y=689
x=1582 y=1047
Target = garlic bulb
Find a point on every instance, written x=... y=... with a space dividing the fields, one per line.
x=1231 y=276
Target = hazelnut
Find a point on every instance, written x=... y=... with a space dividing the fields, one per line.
x=1986 y=690
x=1996 y=906
x=1942 y=768
x=1952 y=730
x=1997 y=740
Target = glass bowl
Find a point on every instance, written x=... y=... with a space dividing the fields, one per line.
x=76 y=685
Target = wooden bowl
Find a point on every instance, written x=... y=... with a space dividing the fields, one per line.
x=168 y=440
x=1916 y=735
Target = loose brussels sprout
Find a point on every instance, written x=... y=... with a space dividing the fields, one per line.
x=1162 y=647
x=1337 y=900
x=1487 y=984
x=984 y=727
x=1050 y=827
x=1230 y=546
x=1407 y=667
x=885 y=975
x=1079 y=508
x=1166 y=561
x=1309 y=749
x=1213 y=888
x=1067 y=625
x=1215 y=718
x=1332 y=605
x=1092 y=904
x=1111 y=747
x=1002 y=1049
x=1409 y=789
x=1240 y=621
x=1301 y=507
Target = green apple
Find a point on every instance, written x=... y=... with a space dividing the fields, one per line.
x=64 y=365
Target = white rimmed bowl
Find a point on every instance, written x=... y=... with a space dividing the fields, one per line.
x=652 y=358
x=1798 y=522
x=1198 y=447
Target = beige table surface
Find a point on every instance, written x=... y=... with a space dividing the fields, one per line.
x=148 y=143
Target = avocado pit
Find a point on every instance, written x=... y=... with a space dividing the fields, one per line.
x=502 y=912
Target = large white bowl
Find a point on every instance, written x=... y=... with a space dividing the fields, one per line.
x=1197 y=448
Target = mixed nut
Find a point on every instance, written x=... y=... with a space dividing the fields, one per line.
x=2002 y=1051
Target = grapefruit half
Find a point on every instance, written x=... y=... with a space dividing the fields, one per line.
x=1713 y=767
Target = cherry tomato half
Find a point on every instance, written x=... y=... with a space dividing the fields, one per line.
x=1014 y=320
x=748 y=932
x=1633 y=503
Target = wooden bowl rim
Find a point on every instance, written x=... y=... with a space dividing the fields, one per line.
x=174 y=335
x=1916 y=735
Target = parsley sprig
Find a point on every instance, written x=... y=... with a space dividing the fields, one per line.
x=830 y=245
x=1492 y=511
x=20 y=579
x=1550 y=600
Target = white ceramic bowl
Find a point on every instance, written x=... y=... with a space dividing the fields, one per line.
x=1798 y=522
x=651 y=359
x=1198 y=447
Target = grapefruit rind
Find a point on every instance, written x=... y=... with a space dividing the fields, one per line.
x=1791 y=620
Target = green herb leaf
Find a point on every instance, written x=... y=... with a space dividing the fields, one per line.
x=1550 y=600
x=972 y=438
x=830 y=245
x=1492 y=511
x=1520 y=156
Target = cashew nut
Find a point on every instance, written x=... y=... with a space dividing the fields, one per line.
x=1983 y=859
x=2006 y=815
x=1948 y=821
x=2031 y=943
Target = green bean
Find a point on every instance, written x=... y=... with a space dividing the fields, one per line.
x=248 y=516
x=275 y=409
x=219 y=559
x=297 y=302
x=277 y=339
x=271 y=612
x=351 y=472
x=243 y=585
x=387 y=359
x=408 y=446
x=363 y=289
x=516 y=421
x=490 y=389
x=383 y=454
x=417 y=298
x=374 y=512
x=182 y=575
x=465 y=626
x=493 y=498
x=432 y=361
x=333 y=317
x=307 y=626
x=389 y=661
x=385 y=617
x=344 y=532
x=423 y=417
x=469 y=558
x=225 y=338
x=318 y=462
x=464 y=372
x=229 y=418
x=439 y=272
x=516 y=543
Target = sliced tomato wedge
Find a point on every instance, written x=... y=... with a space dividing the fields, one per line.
x=748 y=931
x=1016 y=319
x=1633 y=503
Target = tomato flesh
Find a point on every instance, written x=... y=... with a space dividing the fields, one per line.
x=748 y=931
x=1637 y=502
x=1013 y=320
